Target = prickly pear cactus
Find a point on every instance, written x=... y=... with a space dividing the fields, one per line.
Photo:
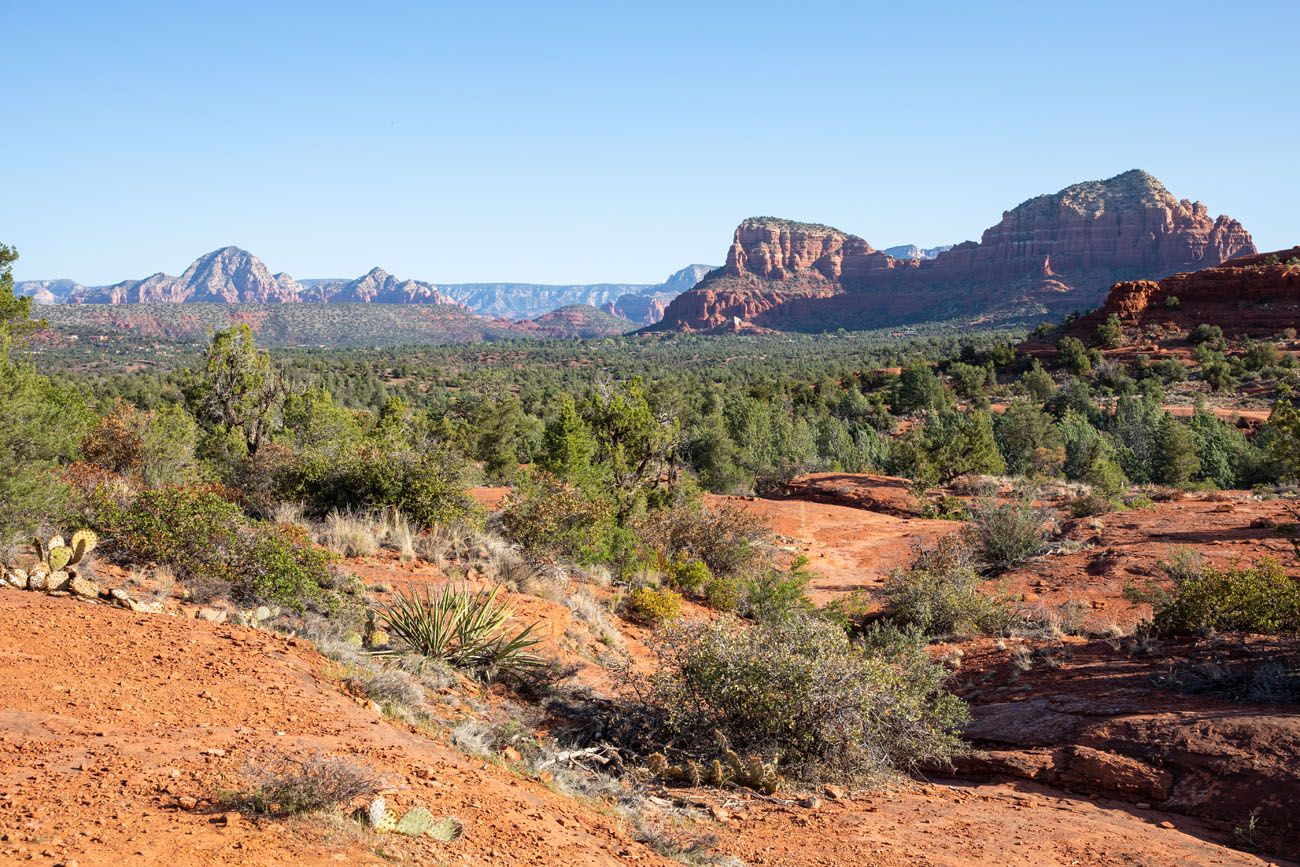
x=55 y=542
x=415 y=823
x=749 y=770
x=59 y=556
x=83 y=542
x=446 y=830
x=379 y=817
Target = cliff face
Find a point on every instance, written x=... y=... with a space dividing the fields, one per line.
x=1255 y=295
x=1053 y=253
x=1128 y=223
x=783 y=250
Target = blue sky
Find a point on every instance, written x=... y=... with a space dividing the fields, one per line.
x=584 y=142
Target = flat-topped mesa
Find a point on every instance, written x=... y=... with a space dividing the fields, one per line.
x=773 y=249
x=1257 y=295
x=1052 y=254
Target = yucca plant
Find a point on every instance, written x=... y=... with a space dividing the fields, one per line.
x=461 y=627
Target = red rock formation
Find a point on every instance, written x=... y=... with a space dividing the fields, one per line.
x=1255 y=295
x=1053 y=253
x=576 y=320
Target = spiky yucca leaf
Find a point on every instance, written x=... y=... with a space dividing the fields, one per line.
x=461 y=627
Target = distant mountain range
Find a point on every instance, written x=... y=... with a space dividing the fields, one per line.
x=1049 y=255
x=234 y=276
x=911 y=251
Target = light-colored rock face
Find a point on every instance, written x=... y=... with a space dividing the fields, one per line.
x=47 y=291
x=377 y=286
x=229 y=275
x=1055 y=252
x=233 y=276
x=911 y=251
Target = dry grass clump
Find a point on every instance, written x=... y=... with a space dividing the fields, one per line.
x=1006 y=536
x=591 y=611
x=282 y=784
x=389 y=687
x=350 y=534
x=394 y=531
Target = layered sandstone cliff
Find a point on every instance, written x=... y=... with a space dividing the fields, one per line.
x=1053 y=253
x=1255 y=295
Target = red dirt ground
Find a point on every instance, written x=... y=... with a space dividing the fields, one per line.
x=108 y=719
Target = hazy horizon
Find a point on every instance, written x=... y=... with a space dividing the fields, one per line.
x=587 y=143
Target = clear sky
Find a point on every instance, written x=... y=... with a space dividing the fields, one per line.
x=611 y=141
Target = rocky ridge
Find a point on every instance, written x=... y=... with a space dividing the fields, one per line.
x=231 y=275
x=1053 y=253
x=576 y=320
x=1255 y=295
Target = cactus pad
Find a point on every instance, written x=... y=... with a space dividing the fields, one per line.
x=59 y=556
x=379 y=817
x=415 y=823
x=83 y=542
x=446 y=830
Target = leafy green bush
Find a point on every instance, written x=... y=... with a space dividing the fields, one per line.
x=918 y=389
x=798 y=692
x=1260 y=598
x=1074 y=356
x=1006 y=536
x=942 y=603
x=652 y=605
x=207 y=539
x=728 y=540
x=428 y=487
x=1109 y=334
x=552 y=519
x=41 y=424
x=776 y=594
x=1209 y=335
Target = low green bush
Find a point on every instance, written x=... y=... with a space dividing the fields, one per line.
x=652 y=605
x=798 y=693
x=943 y=603
x=1005 y=536
x=1261 y=598
x=551 y=519
x=208 y=541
